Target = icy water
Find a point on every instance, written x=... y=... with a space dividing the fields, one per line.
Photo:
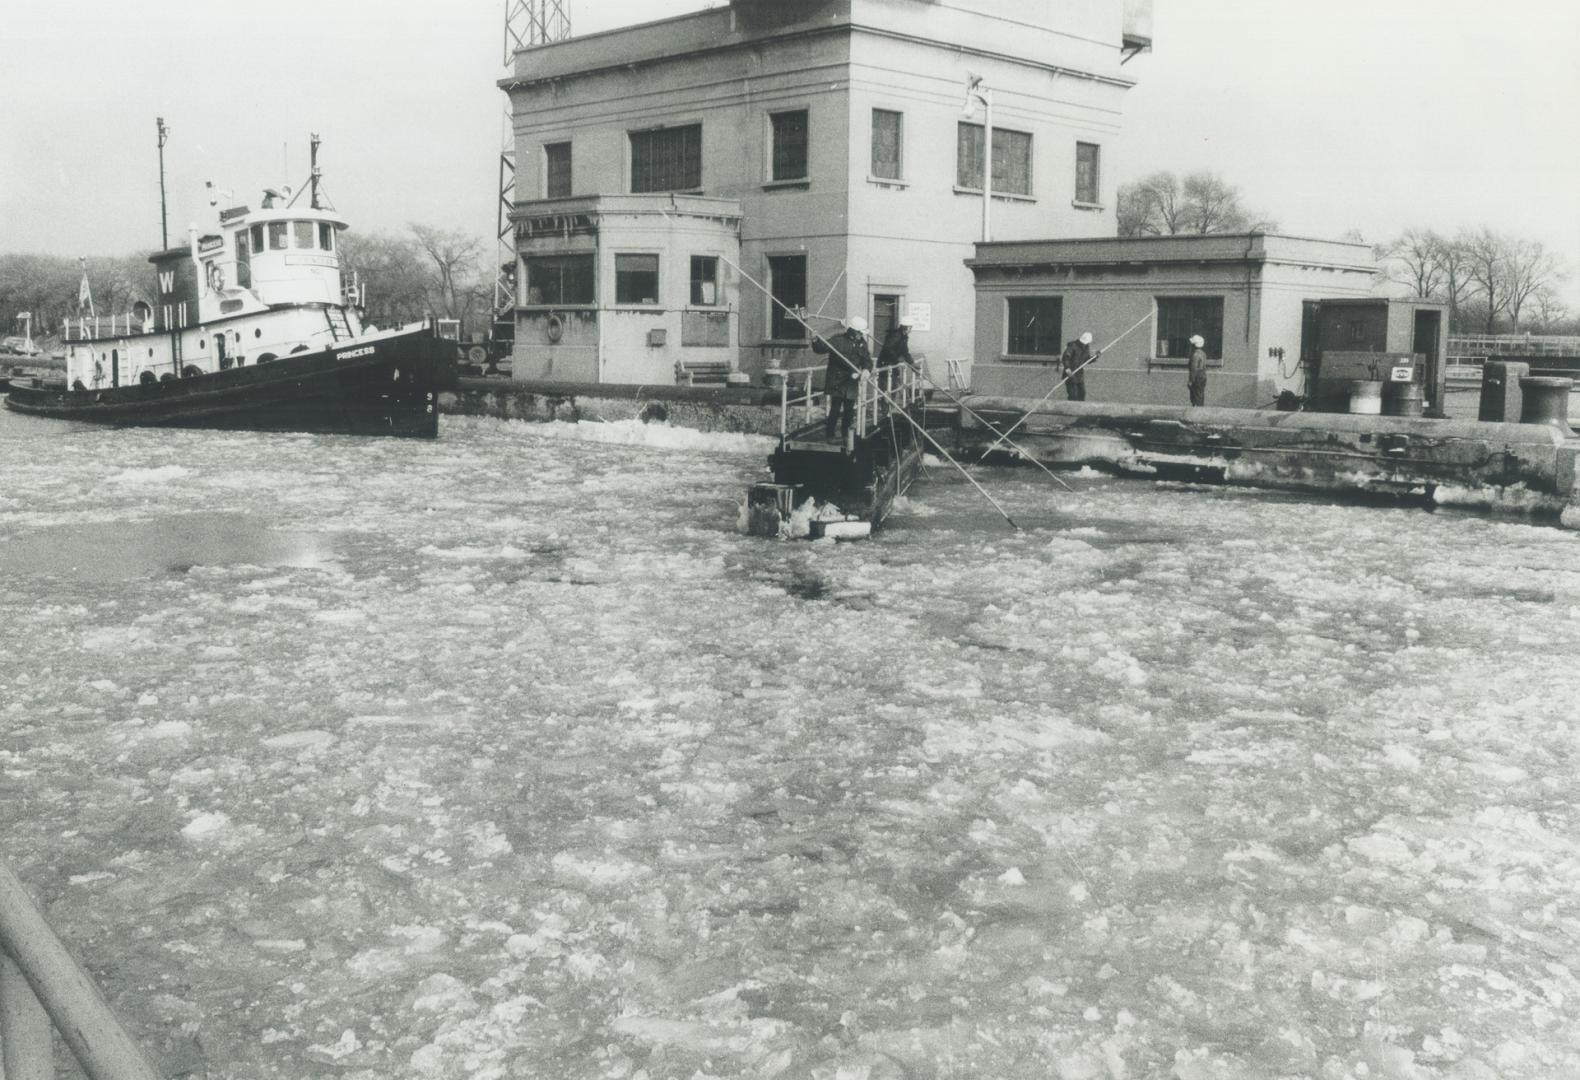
x=505 y=756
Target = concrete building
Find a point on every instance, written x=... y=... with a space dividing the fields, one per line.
x=817 y=147
x=1254 y=298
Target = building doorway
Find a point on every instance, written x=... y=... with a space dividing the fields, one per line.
x=885 y=314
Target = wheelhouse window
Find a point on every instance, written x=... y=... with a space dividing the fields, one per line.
x=304 y=234
x=704 y=280
x=1087 y=175
x=1181 y=316
x=257 y=238
x=558 y=280
x=243 y=260
x=789 y=145
x=787 y=285
x=1011 y=160
x=888 y=144
x=557 y=170
x=1036 y=325
x=668 y=159
x=278 y=235
x=636 y=279
x=326 y=236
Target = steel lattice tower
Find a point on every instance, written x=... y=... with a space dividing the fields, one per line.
x=527 y=23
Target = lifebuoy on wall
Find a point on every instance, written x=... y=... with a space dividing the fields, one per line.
x=554 y=328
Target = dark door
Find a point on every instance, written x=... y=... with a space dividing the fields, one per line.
x=115 y=367
x=885 y=313
x=219 y=352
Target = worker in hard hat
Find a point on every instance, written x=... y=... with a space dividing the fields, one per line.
x=896 y=350
x=1196 y=379
x=1077 y=354
x=848 y=359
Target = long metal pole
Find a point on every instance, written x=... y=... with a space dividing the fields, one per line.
x=894 y=406
x=960 y=404
x=1005 y=436
x=987 y=165
x=164 y=216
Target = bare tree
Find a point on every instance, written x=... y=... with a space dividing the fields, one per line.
x=455 y=256
x=1550 y=307
x=1529 y=268
x=1415 y=260
x=1486 y=268
x=1199 y=203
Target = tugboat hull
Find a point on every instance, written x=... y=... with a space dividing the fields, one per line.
x=372 y=386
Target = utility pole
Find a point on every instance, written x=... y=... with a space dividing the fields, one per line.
x=527 y=23
x=164 y=216
x=977 y=91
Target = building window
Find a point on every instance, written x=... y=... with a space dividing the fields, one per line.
x=1036 y=325
x=787 y=285
x=560 y=279
x=1087 y=177
x=636 y=279
x=888 y=144
x=704 y=280
x=557 y=170
x=1011 y=160
x=789 y=145
x=1181 y=316
x=669 y=159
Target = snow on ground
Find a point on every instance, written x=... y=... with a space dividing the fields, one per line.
x=505 y=756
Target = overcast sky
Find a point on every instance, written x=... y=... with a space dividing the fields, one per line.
x=1330 y=115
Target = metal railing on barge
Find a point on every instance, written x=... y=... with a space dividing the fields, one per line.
x=877 y=392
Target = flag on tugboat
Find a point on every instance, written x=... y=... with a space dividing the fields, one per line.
x=84 y=293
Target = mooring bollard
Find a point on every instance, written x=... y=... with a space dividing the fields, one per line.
x=1545 y=400
x=1500 y=391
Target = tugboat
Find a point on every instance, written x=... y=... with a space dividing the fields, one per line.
x=253 y=329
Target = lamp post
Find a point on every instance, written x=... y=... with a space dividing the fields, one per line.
x=977 y=91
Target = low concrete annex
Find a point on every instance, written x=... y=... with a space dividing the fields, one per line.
x=1246 y=294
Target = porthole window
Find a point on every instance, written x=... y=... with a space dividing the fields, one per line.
x=257 y=332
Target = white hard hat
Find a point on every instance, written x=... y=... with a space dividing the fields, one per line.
x=907 y=322
x=857 y=323
x=1197 y=340
x=1086 y=338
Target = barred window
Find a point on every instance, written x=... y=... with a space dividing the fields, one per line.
x=1087 y=156
x=560 y=279
x=668 y=159
x=786 y=284
x=790 y=145
x=1181 y=316
x=557 y=170
x=636 y=279
x=1011 y=160
x=1036 y=325
x=888 y=144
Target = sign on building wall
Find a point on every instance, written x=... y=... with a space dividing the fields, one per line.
x=921 y=317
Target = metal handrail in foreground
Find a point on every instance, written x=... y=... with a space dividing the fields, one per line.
x=42 y=984
x=905 y=388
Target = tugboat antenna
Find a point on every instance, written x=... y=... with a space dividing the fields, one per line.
x=164 y=216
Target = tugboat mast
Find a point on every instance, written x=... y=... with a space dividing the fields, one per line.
x=313 y=178
x=164 y=217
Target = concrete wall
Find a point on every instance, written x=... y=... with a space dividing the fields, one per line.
x=1108 y=286
x=1054 y=71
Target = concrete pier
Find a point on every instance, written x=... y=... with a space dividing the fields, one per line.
x=1526 y=468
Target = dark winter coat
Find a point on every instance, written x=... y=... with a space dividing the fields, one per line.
x=1077 y=354
x=849 y=348
x=896 y=348
x=1198 y=367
